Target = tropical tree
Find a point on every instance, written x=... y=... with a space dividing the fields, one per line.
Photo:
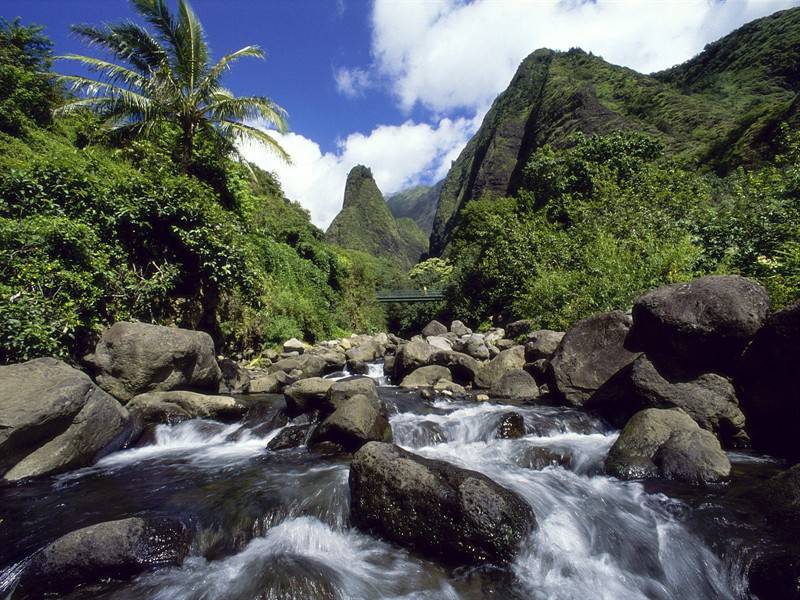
x=166 y=77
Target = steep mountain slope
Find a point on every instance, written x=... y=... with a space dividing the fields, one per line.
x=417 y=203
x=365 y=223
x=717 y=111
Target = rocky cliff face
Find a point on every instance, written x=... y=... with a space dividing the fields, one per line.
x=365 y=223
x=717 y=111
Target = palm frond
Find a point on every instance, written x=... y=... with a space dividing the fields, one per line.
x=226 y=106
x=192 y=59
x=112 y=42
x=156 y=12
x=240 y=132
x=214 y=73
x=113 y=72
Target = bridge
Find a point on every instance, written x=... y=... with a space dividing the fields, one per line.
x=428 y=295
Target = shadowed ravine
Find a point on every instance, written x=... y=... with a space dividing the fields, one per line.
x=275 y=524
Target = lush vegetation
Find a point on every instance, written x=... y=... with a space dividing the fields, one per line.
x=596 y=223
x=97 y=227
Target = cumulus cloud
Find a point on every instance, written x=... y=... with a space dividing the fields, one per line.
x=399 y=156
x=352 y=82
x=445 y=54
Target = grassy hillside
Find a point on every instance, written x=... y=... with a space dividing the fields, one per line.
x=417 y=203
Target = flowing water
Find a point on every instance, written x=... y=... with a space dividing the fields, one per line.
x=274 y=525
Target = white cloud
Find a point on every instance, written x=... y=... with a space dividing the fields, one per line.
x=352 y=82
x=445 y=54
x=399 y=156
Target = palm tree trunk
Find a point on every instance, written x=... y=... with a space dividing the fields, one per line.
x=186 y=147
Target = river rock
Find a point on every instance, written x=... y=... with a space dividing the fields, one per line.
x=334 y=359
x=426 y=377
x=511 y=426
x=667 y=443
x=515 y=385
x=589 y=355
x=294 y=345
x=134 y=358
x=436 y=508
x=358 y=357
x=538 y=458
x=475 y=346
x=463 y=368
x=519 y=328
x=347 y=388
x=494 y=334
x=440 y=343
x=410 y=356
x=459 y=329
x=293 y=436
x=505 y=362
x=111 y=550
x=538 y=369
x=357 y=420
x=449 y=388
x=542 y=344
x=705 y=324
x=53 y=419
x=306 y=395
x=769 y=385
x=235 y=379
x=271 y=383
x=179 y=405
x=434 y=328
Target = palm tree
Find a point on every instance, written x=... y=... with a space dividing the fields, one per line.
x=166 y=77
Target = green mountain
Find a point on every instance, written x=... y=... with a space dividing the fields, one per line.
x=365 y=223
x=717 y=111
x=417 y=203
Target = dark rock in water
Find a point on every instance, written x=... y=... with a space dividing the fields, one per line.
x=538 y=458
x=435 y=508
x=508 y=360
x=291 y=437
x=434 y=328
x=235 y=378
x=463 y=368
x=53 y=418
x=357 y=420
x=519 y=328
x=538 y=369
x=591 y=353
x=769 y=384
x=542 y=344
x=709 y=398
x=779 y=498
x=515 y=385
x=511 y=426
x=667 y=443
x=705 y=324
x=426 y=376
x=347 y=388
x=411 y=356
x=306 y=395
x=134 y=358
x=291 y=576
x=111 y=550
x=388 y=365
x=776 y=575
x=177 y=406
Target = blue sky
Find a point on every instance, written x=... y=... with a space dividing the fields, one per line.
x=401 y=85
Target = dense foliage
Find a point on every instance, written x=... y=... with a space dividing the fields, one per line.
x=95 y=229
x=600 y=221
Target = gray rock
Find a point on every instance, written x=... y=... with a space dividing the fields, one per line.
x=134 y=358
x=440 y=343
x=705 y=324
x=458 y=328
x=434 y=328
x=436 y=508
x=538 y=369
x=463 y=368
x=517 y=329
x=294 y=345
x=494 y=334
x=667 y=443
x=347 y=388
x=179 y=405
x=356 y=421
x=538 y=458
x=112 y=550
x=290 y=437
x=769 y=385
x=306 y=395
x=334 y=359
x=235 y=378
x=426 y=377
x=590 y=354
x=542 y=344
x=449 y=388
x=271 y=383
x=516 y=385
x=364 y=353
x=508 y=360
x=505 y=344
x=476 y=347
x=53 y=419
x=411 y=356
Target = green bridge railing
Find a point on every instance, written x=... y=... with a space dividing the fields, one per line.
x=429 y=295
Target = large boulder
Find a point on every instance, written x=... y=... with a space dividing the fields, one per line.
x=426 y=377
x=53 y=418
x=356 y=421
x=475 y=346
x=667 y=443
x=134 y=358
x=459 y=329
x=515 y=385
x=410 y=356
x=508 y=360
x=440 y=343
x=235 y=378
x=589 y=355
x=705 y=324
x=542 y=343
x=359 y=356
x=347 y=388
x=463 y=368
x=111 y=550
x=434 y=328
x=294 y=345
x=270 y=383
x=709 y=398
x=180 y=405
x=769 y=385
x=306 y=395
x=436 y=508
x=290 y=437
